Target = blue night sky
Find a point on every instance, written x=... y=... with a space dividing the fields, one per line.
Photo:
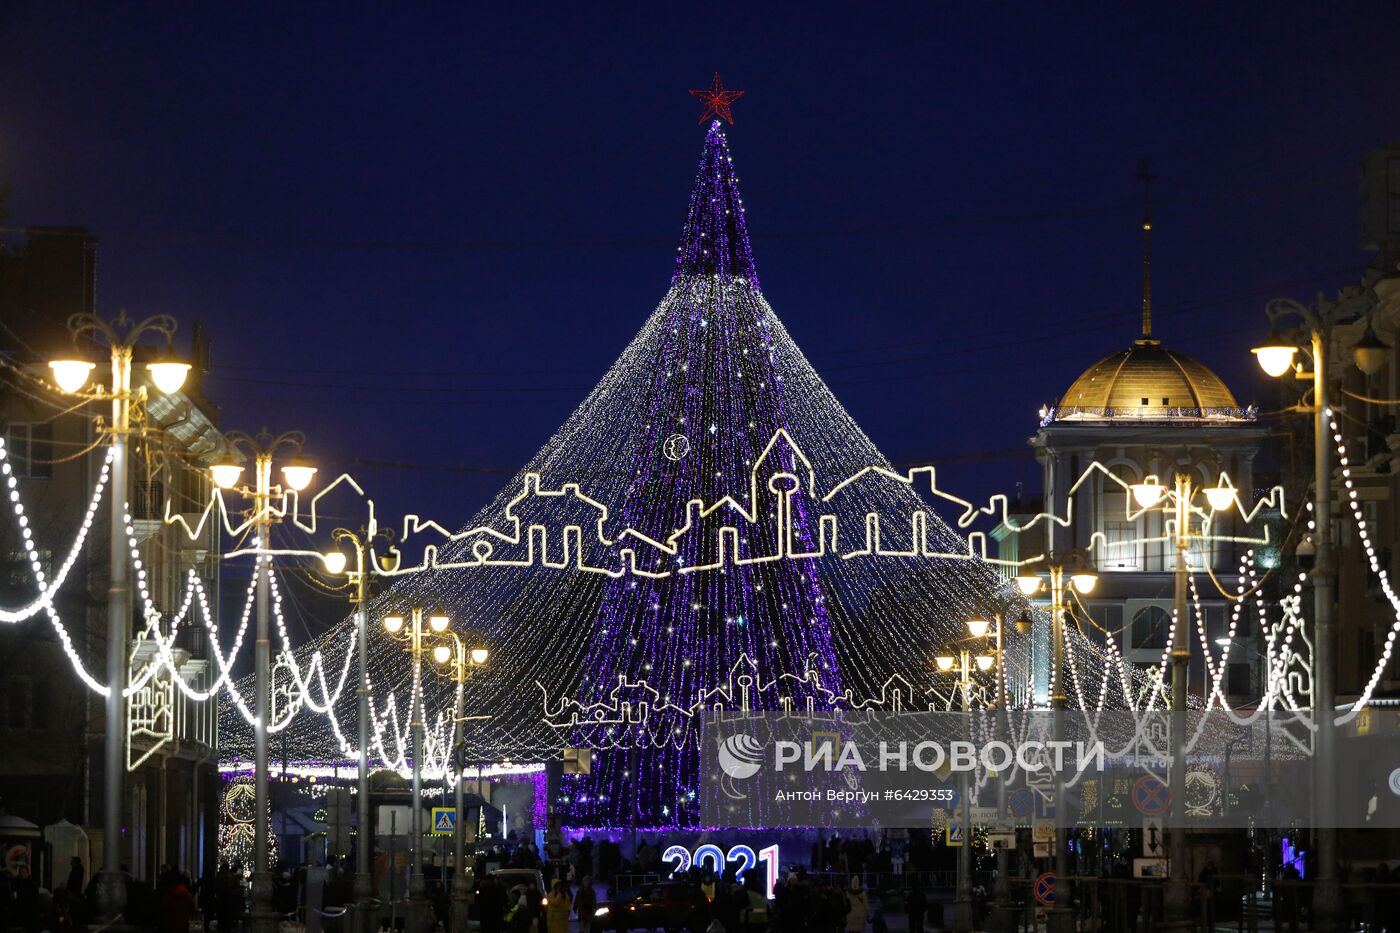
x=421 y=234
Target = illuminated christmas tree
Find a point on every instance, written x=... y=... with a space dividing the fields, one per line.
x=712 y=443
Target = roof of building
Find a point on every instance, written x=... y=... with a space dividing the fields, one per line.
x=1148 y=382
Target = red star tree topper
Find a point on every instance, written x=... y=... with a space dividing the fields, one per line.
x=717 y=100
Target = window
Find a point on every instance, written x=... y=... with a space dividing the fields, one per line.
x=1122 y=547
x=1151 y=627
x=30 y=449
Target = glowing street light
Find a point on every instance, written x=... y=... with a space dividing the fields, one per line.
x=362 y=546
x=168 y=375
x=71 y=373
x=261 y=449
x=1148 y=493
x=1084 y=582
x=1275 y=357
x=334 y=561
x=460 y=656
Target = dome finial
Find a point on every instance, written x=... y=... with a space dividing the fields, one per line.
x=1145 y=175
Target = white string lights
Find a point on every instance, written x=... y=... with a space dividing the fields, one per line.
x=705 y=567
x=1376 y=568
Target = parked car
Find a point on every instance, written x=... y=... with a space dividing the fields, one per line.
x=668 y=906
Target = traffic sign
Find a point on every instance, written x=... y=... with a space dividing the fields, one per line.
x=981 y=816
x=1045 y=889
x=1151 y=796
x=1152 y=839
x=954 y=834
x=1022 y=802
x=1001 y=840
x=444 y=821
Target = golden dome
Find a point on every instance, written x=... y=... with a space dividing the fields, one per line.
x=1148 y=381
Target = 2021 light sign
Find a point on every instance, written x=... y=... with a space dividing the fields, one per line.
x=717 y=859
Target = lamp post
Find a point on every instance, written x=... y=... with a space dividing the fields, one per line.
x=460 y=660
x=1082 y=577
x=121 y=336
x=361 y=544
x=297 y=475
x=1177 y=502
x=413 y=634
x=962 y=905
x=1276 y=357
x=1003 y=914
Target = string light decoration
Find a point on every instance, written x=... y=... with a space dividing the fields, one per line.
x=717 y=100
x=771 y=598
x=236 y=824
x=712 y=364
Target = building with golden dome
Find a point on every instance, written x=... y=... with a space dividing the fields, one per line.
x=1144 y=411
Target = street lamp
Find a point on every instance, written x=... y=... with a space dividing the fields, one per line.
x=1319 y=321
x=962 y=905
x=418 y=634
x=1004 y=914
x=361 y=544
x=261 y=449
x=1075 y=566
x=121 y=336
x=1178 y=503
x=460 y=657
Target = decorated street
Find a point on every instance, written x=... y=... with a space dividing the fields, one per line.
x=962 y=499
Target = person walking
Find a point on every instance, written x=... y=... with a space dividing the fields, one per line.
x=858 y=906
x=585 y=903
x=76 y=872
x=176 y=904
x=556 y=909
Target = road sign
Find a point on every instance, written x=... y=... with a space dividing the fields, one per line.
x=1152 y=839
x=444 y=821
x=1151 y=796
x=1001 y=840
x=1149 y=868
x=954 y=834
x=981 y=816
x=1022 y=802
x=1045 y=889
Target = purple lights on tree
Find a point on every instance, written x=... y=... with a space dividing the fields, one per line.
x=716 y=382
x=716 y=239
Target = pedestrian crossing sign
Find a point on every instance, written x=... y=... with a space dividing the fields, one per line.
x=954 y=834
x=444 y=821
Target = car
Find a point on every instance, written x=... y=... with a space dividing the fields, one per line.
x=528 y=878
x=666 y=906
x=510 y=878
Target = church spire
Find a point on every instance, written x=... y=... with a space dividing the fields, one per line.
x=1145 y=175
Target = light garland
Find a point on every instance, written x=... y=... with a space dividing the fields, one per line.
x=1381 y=574
x=667 y=625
